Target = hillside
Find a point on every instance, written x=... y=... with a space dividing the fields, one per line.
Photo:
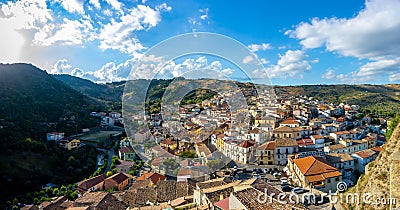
x=382 y=175
x=377 y=99
x=33 y=103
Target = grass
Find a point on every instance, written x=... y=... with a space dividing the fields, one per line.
x=96 y=138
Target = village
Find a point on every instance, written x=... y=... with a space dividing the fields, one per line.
x=210 y=155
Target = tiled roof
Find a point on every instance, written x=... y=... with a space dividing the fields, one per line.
x=100 y=200
x=286 y=143
x=223 y=204
x=316 y=168
x=246 y=144
x=87 y=184
x=126 y=149
x=317 y=136
x=154 y=177
x=118 y=177
x=338 y=158
x=366 y=153
x=267 y=146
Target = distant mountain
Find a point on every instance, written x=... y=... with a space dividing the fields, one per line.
x=105 y=92
x=378 y=99
x=32 y=101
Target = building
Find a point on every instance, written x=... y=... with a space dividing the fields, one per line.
x=69 y=143
x=345 y=164
x=285 y=132
x=126 y=153
x=283 y=148
x=362 y=158
x=314 y=172
x=55 y=136
x=153 y=177
x=92 y=184
x=239 y=150
x=318 y=141
x=347 y=146
x=99 y=200
x=265 y=153
x=117 y=181
x=124 y=166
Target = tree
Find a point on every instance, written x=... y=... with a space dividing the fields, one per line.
x=109 y=173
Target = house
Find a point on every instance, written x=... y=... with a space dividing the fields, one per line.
x=126 y=153
x=198 y=173
x=239 y=150
x=290 y=122
x=99 y=200
x=265 y=153
x=92 y=184
x=106 y=121
x=69 y=143
x=345 y=164
x=208 y=194
x=55 y=136
x=169 y=144
x=126 y=142
x=314 y=172
x=346 y=146
x=284 y=147
x=117 y=181
x=318 y=141
x=362 y=158
x=342 y=135
x=153 y=177
x=287 y=132
x=124 y=166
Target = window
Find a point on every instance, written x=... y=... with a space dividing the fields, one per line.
x=337 y=179
x=328 y=180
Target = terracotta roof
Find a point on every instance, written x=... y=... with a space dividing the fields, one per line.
x=246 y=144
x=154 y=177
x=223 y=204
x=287 y=129
x=317 y=136
x=99 y=200
x=366 y=153
x=290 y=122
x=126 y=149
x=316 y=168
x=87 y=184
x=338 y=157
x=118 y=177
x=305 y=142
x=286 y=143
x=267 y=146
x=377 y=149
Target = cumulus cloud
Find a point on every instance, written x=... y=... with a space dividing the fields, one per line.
x=72 y=5
x=118 y=35
x=95 y=3
x=292 y=63
x=329 y=74
x=258 y=47
x=372 y=34
x=70 y=32
x=204 y=14
x=248 y=59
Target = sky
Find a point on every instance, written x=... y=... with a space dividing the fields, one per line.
x=298 y=42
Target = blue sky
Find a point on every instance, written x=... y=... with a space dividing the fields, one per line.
x=298 y=42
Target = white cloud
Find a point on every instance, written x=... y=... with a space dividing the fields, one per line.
x=70 y=32
x=116 y=5
x=204 y=14
x=118 y=35
x=72 y=5
x=292 y=63
x=329 y=74
x=372 y=34
x=248 y=59
x=258 y=47
x=394 y=77
x=95 y=3
x=163 y=7
x=16 y=18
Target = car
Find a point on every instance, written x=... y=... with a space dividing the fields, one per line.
x=298 y=190
x=266 y=170
x=284 y=179
x=255 y=175
x=277 y=175
x=286 y=188
x=259 y=171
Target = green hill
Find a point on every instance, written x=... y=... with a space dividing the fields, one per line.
x=33 y=103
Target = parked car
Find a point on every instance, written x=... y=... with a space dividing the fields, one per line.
x=277 y=175
x=286 y=188
x=299 y=190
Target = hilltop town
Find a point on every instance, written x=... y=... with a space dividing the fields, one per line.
x=209 y=155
